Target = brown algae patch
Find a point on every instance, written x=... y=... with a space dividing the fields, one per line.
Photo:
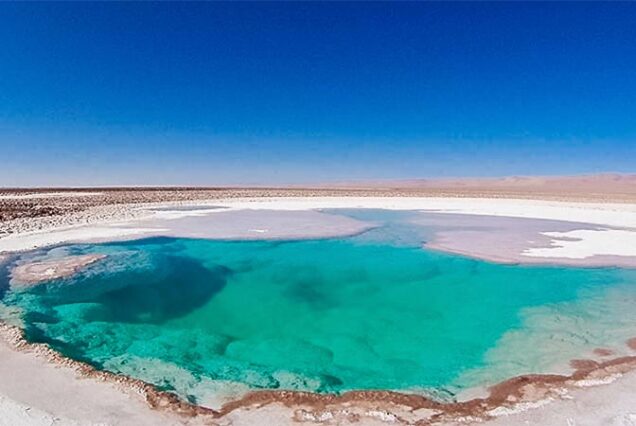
x=506 y=397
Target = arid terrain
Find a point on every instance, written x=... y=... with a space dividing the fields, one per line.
x=29 y=203
x=614 y=187
x=572 y=220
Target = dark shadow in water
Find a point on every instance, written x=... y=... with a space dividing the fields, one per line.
x=308 y=291
x=147 y=241
x=5 y=276
x=173 y=287
x=180 y=286
x=37 y=335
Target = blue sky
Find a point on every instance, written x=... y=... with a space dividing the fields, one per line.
x=276 y=93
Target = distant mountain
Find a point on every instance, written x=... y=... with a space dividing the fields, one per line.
x=611 y=183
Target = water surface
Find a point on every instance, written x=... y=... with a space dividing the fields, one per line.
x=210 y=318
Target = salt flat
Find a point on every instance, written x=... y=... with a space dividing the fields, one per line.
x=594 y=231
x=612 y=234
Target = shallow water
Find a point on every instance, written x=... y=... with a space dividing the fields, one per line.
x=207 y=318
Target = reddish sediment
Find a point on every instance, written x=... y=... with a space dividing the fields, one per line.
x=507 y=394
x=603 y=352
x=155 y=398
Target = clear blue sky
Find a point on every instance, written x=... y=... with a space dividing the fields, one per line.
x=275 y=93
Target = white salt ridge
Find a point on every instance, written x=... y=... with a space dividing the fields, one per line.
x=596 y=382
x=33 y=240
x=181 y=213
x=585 y=243
x=519 y=408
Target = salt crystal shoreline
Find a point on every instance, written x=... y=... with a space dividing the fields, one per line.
x=384 y=406
x=508 y=397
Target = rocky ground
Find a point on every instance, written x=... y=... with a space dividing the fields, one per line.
x=24 y=210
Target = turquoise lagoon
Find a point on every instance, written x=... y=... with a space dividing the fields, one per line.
x=204 y=318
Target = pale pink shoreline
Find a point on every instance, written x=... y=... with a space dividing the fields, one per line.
x=595 y=262
x=504 y=240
